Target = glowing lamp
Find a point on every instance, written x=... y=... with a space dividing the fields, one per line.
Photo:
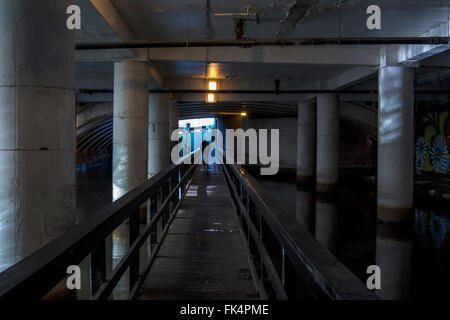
x=212 y=85
x=211 y=98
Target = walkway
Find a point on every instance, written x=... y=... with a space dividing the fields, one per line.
x=203 y=256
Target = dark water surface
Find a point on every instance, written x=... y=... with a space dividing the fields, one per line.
x=94 y=190
x=414 y=260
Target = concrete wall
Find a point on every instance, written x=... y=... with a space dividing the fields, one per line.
x=288 y=137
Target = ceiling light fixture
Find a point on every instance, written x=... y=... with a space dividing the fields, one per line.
x=211 y=98
x=212 y=85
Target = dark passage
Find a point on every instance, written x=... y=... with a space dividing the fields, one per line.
x=202 y=256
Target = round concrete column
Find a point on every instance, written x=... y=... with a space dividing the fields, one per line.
x=327 y=142
x=130 y=143
x=173 y=120
x=306 y=143
x=158 y=133
x=131 y=82
x=173 y=116
x=37 y=123
x=395 y=144
x=222 y=127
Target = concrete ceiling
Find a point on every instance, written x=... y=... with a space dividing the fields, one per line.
x=239 y=70
x=168 y=19
x=307 y=67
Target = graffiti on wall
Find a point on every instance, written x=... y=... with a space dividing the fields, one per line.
x=433 y=140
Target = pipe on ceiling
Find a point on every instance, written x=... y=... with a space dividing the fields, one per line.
x=305 y=91
x=265 y=42
x=204 y=91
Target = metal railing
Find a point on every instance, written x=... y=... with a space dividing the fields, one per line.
x=38 y=274
x=288 y=262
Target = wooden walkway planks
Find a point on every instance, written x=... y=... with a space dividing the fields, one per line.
x=203 y=255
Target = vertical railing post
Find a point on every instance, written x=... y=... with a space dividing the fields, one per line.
x=164 y=194
x=180 y=189
x=288 y=275
x=170 y=186
x=153 y=209
x=98 y=267
x=160 y=222
x=134 y=234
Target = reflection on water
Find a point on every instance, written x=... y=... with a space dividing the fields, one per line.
x=305 y=213
x=94 y=191
x=326 y=230
x=414 y=261
x=393 y=256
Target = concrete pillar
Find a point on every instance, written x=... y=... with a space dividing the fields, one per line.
x=173 y=116
x=130 y=143
x=306 y=143
x=327 y=142
x=222 y=127
x=37 y=123
x=131 y=82
x=173 y=120
x=158 y=137
x=395 y=144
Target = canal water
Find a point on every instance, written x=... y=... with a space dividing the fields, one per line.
x=414 y=261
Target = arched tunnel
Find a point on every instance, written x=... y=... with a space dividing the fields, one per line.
x=95 y=122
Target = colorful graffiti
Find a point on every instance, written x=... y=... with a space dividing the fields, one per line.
x=433 y=140
x=432 y=230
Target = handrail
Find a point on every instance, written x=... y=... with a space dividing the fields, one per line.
x=277 y=286
x=39 y=273
x=288 y=253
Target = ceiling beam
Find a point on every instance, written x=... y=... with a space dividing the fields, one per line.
x=321 y=55
x=349 y=78
x=441 y=60
x=414 y=54
x=241 y=84
x=109 y=13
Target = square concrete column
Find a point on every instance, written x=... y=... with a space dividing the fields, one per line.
x=327 y=143
x=395 y=144
x=306 y=143
x=158 y=133
x=37 y=123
